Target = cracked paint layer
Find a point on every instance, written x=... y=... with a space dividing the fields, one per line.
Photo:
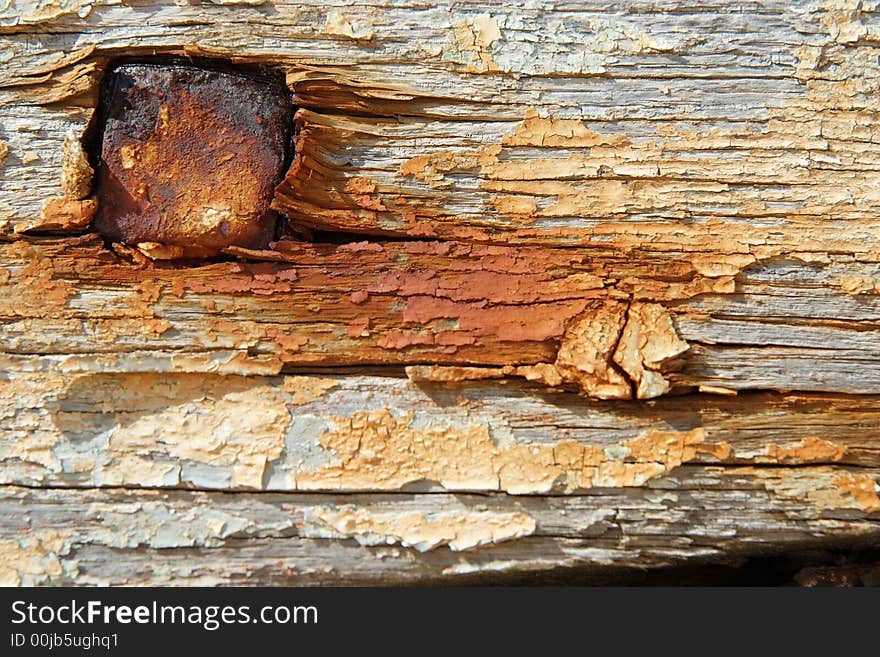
x=33 y=559
x=376 y=450
x=675 y=189
x=549 y=315
x=487 y=44
x=615 y=351
x=830 y=489
x=237 y=430
x=274 y=433
x=807 y=450
x=460 y=530
x=26 y=12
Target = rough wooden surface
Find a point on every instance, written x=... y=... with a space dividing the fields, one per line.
x=593 y=286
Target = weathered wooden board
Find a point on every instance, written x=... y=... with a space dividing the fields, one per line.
x=584 y=205
x=114 y=536
x=380 y=433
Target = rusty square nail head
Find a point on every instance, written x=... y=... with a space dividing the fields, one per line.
x=190 y=157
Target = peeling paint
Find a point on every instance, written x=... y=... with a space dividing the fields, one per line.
x=585 y=355
x=157 y=524
x=483 y=43
x=61 y=215
x=550 y=132
x=664 y=212
x=807 y=450
x=460 y=530
x=639 y=338
x=306 y=389
x=378 y=451
x=857 y=285
x=71 y=212
x=32 y=559
x=215 y=432
x=862 y=489
x=826 y=489
x=648 y=341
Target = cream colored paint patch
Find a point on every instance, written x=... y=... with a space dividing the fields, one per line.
x=857 y=285
x=25 y=436
x=717 y=265
x=460 y=530
x=584 y=357
x=638 y=338
x=379 y=451
x=242 y=430
x=36 y=448
x=157 y=524
x=550 y=132
x=662 y=174
x=32 y=559
x=306 y=389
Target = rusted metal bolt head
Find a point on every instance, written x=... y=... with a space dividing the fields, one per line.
x=190 y=158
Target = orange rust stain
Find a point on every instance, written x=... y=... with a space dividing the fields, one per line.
x=290 y=344
x=33 y=290
x=458 y=303
x=400 y=339
x=63 y=215
x=363 y=191
x=508 y=323
x=360 y=185
x=431 y=168
x=256 y=278
x=149 y=291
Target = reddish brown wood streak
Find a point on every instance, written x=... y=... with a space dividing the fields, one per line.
x=359 y=303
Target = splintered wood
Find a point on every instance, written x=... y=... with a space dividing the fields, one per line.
x=614 y=268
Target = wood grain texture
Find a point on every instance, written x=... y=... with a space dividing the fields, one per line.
x=592 y=286
x=177 y=538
